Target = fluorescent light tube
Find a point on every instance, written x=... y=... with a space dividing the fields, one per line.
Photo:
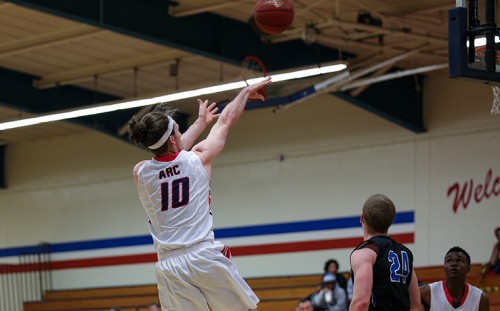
x=117 y=105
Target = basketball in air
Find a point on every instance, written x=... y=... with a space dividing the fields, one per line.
x=273 y=16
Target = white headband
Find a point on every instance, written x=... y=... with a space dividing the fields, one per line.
x=165 y=136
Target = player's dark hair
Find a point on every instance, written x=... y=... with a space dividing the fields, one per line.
x=150 y=128
x=457 y=249
x=329 y=262
x=305 y=299
x=379 y=213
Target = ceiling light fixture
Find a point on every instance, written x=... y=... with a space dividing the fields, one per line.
x=120 y=105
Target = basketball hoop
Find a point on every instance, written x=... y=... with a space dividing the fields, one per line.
x=253 y=67
x=495 y=108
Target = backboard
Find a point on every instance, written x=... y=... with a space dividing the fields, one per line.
x=473 y=41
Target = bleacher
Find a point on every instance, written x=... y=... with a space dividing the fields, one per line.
x=275 y=293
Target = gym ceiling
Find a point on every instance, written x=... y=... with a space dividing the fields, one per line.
x=64 y=54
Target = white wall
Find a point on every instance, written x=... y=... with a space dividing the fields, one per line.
x=335 y=156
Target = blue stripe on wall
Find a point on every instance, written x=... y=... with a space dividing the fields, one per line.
x=234 y=232
x=301 y=226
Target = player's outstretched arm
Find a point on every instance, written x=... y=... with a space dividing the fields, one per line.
x=206 y=114
x=209 y=148
x=362 y=261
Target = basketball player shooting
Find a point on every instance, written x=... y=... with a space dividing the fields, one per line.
x=174 y=187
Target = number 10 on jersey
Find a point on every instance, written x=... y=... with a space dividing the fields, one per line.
x=175 y=194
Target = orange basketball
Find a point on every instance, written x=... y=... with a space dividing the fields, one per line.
x=273 y=16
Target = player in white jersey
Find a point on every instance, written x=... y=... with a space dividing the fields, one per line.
x=454 y=294
x=174 y=188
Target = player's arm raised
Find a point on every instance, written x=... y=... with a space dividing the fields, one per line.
x=362 y=261
x=206 y=114
x=212 y=146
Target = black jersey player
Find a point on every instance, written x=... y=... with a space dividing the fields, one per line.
x=382 y=269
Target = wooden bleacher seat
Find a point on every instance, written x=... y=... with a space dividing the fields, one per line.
x=101 y=292
x=280 y=281
x=90 y=303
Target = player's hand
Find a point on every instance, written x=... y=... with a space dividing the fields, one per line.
x=254 y=88
x=207 y=113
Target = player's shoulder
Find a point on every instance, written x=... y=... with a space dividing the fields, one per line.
x=477 y=289
x=137 y=168
x=364 y=255
x=189 y=154
x=365 y=243
x=389 y=242
x=429 y=286
x=139 y=165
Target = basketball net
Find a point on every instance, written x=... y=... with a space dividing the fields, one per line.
x=495 y=109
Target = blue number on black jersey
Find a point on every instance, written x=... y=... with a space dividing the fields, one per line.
x=400 y=267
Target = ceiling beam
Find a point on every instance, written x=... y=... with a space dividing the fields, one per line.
x=387 y=31
x=338 y=43
x=402 y=9
x=414 y=6
x=44 y=40
x=297 y=32
x=371 y=9
x=189 y=7
x=85 y=73
x=302 y=10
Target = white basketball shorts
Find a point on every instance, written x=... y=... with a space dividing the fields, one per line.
x=191 y=277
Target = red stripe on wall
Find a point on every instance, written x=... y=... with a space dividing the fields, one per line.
x=80 y=263
x=104 y=261
x=12 y=268
x=309 y=245
x=236 y=251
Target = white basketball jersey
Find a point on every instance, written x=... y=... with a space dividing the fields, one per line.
x=175 y=193
x=441 y=300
